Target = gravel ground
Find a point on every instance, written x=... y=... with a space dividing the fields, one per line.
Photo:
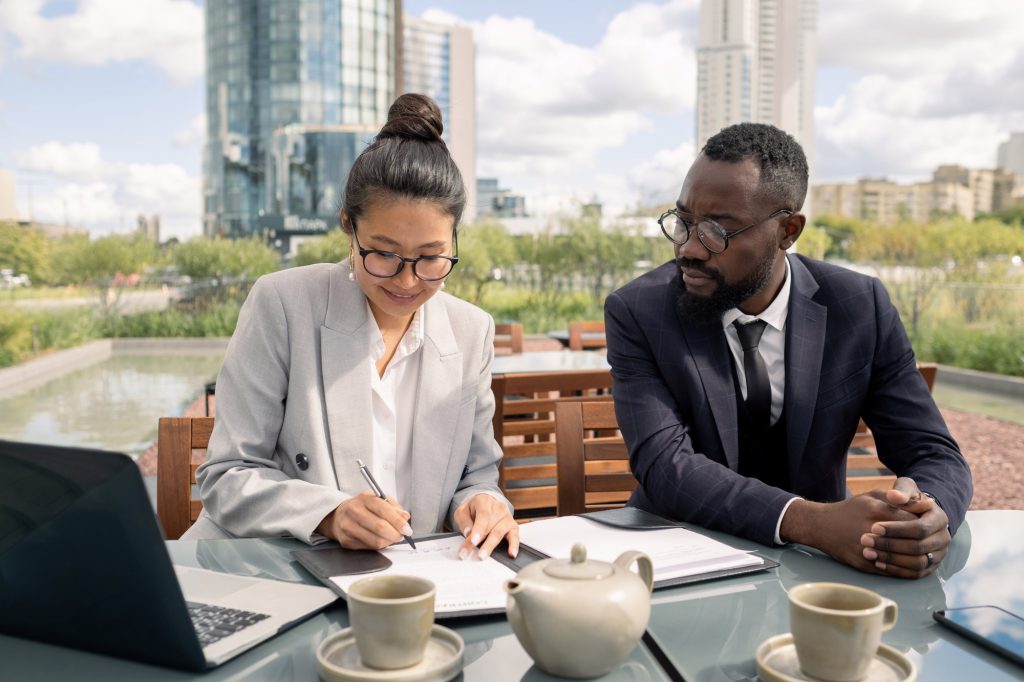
x=995 y=453
x=994 y=449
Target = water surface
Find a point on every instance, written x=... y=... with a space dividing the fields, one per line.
x=113 y=404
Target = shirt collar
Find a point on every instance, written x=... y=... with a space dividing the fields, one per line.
x=775 y=314
x=410 y=343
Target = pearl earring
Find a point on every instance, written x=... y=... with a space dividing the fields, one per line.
x=442 y=284
x=351 y=268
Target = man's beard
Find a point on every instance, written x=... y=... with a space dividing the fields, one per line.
x=703 y=310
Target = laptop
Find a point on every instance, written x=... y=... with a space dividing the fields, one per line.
x=83 y=564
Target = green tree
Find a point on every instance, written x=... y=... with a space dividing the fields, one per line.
x=330 y=248
x=217 y=258
x=79 y=260
x=25 y=250
x=486 y=251
x=814 y=242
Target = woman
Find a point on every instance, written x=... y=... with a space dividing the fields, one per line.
x=365 y=360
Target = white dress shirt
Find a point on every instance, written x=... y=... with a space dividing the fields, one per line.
x=392 y=407
x=772 y=348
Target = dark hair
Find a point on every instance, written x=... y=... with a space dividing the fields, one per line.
x=407 y=159
x=783 y=164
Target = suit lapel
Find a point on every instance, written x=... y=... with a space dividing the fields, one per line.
x=344 y=348
x=711 y=354
x=805 y=345
x=437 y=411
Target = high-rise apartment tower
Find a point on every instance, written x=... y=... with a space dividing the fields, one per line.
x=440 y=61
x=756 y=62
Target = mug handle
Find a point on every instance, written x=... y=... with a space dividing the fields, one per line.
x=644 y=566
x=889 y=614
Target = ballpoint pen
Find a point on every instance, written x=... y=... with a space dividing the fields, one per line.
x=372 y=482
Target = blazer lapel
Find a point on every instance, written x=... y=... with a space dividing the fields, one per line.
x=344 y=348
x=711 y=354
x=437 y=411
x=805 y=345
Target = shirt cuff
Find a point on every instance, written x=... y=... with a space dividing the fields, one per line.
x=778 y=525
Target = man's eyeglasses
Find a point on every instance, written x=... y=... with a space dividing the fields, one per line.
x=677 y=225
x=388 y=264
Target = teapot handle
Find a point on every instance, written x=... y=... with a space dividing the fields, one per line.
x=643 y=563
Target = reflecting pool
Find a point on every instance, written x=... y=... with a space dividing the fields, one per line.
x=113 y=404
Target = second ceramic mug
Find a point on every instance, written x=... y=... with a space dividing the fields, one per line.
x=392 y=617
x=837 y=628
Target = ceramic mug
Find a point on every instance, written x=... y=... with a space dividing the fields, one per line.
x=837 y=628
x=392 y=617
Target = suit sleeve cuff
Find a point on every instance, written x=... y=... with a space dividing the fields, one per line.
x=778 y=524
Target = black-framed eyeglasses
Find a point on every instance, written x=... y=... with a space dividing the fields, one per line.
x=386 y=264
x=677 y=225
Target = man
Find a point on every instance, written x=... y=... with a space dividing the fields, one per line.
x=740 y=375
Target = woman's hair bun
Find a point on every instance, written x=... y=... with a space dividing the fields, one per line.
x=413 y=116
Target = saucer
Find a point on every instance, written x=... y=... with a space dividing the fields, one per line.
x=777 y=662
x=339 y=660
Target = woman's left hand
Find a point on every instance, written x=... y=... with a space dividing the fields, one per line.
x=484 y=521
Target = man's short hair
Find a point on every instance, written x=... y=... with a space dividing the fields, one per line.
x=783 y=163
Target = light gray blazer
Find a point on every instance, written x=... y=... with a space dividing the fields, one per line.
x=294 y=390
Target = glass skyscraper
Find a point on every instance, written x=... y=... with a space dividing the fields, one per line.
x=294 y=90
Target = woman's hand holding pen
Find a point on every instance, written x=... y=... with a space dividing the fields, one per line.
x=366 y=522
x=484 y=522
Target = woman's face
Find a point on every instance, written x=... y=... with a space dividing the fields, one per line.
x=410 y=229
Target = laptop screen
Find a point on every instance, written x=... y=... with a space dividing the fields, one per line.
x=82 y=559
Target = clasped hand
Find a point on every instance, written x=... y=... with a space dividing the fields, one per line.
x=910 y=546
x=366 y=521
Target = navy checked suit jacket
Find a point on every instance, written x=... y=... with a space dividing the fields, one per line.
x=847 y=356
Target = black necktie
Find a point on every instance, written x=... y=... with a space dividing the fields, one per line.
x=759 y=388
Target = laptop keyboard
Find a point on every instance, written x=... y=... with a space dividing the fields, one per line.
x=213 y=623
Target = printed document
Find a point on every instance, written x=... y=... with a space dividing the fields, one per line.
x=462 y=585
x=674 y=552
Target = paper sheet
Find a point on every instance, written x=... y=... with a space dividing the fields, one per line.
x=674 y=552
x=462 y=585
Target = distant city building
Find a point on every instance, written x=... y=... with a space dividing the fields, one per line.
x=953 y=189
x=1010 y=154
x=149 y=227
x=8 y=208
x=756 y=62
x=494 y=201
x=290 y=88
x=440 y=61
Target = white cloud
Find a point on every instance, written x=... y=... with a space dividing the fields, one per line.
x=934 y=82
x=547 y=108
x=192 y=135
x=83 y=188
x=168 y=33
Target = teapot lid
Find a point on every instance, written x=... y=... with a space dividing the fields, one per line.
x=577 y=567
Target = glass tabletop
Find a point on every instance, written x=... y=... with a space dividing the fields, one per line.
x=549 y=361
x=711 y=631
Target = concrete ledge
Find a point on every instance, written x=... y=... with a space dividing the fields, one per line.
x=201 y=345
x=35 y=372
x=1012 y=387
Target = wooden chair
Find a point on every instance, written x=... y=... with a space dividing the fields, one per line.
x=864 y=471
x=593 y=467
x=524 y=425
x=508 y=337
x=181 y=448
x=588 y=335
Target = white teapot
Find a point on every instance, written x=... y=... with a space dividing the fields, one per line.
x=579 y=618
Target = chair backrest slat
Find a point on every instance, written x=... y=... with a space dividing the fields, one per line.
x=181 y=447
x=593 y=467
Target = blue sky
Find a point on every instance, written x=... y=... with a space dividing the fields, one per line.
x=101 y=101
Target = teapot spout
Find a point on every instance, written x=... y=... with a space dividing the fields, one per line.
x=519 y=598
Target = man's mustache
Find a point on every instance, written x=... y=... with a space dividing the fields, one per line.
x=699 y=266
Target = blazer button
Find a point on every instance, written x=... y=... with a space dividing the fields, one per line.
x=302 y=461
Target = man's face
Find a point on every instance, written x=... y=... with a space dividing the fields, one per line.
x=713 y=283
